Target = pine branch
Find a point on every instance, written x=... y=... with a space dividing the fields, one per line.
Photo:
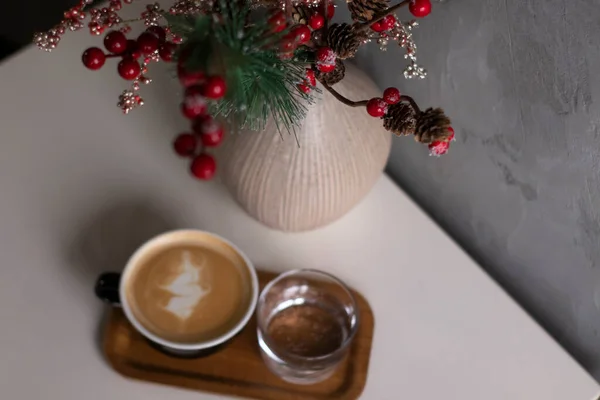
x=260 y=85
x=180 y=25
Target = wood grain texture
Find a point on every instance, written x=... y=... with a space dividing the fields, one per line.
x=238 y=369
x=296 y=186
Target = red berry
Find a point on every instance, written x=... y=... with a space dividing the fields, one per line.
x=188 y=78
x=451 y=137
x=185 y=144
x=194 y=104
x=316 y=21
x=116 y=5
x=420 y=8
x=388 y=22
x=115 y=42
x=158 y=31
x=304 y=88
x=211 y=132
x=325 y=55
x=96 y=28
x=129 y=68
x=166 y=51
x=195 y=90
x=148 y=43
x=287 y=44
x=93 y=58
x=277 y=21
x=214 y=87
x=330 y=10
x=391 y=95
x=204 y=166
x=310 y=77
x=438 y=148
x=191 y=112
x=133 y=49
x=198 y=122
x=325 y=59
x=378 y=26
x=301 y=33
x=377 y=107
x=326 y=67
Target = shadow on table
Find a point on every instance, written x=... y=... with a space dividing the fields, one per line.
x=106 y=239
x=7 y=47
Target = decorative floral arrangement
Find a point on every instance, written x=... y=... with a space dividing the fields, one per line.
x=250 y=60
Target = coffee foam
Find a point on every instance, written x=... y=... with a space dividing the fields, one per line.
x=189 y=289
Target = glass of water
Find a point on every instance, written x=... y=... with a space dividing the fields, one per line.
x=306 y=322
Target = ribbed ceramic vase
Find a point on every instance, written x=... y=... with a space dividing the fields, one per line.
x=296 y=186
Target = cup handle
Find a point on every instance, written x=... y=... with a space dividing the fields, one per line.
x=107 y=288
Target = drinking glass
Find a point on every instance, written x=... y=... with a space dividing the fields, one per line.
x=306 y=322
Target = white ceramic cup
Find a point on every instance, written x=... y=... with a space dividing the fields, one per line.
x=111 y=287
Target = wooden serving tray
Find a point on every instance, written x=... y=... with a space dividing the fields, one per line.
x=237 y=369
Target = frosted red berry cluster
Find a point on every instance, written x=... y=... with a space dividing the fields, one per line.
x=157 y=43
x=206 y=132
x=309 y=82
x=134 y=55
x=378 y=107
x=440 y=147
x=385 y=24
x=299 y=34
x=325 y=59
x=151 y=43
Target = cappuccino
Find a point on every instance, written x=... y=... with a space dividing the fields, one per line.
x=190 y=289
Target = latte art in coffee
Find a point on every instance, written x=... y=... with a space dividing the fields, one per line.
x=186 y=288
x=190 y=291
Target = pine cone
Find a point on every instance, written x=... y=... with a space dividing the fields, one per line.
x=345 y=40
x=400 y=119
x=365 y=10
x=432 y=125
x=300 y=14
x=333 y=77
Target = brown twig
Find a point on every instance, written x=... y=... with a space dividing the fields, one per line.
x=343 y=99
x=288 y=10
x=412 y=102
x=129 y=21
x=325 y=12
x=363 y=103
x=264 y=3
x=390 y=10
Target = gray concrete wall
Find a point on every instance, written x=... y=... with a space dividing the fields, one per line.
x=520 y=189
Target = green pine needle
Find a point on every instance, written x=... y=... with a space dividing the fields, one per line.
x=260 y=85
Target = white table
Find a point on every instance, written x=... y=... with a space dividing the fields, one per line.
x=81 y=186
